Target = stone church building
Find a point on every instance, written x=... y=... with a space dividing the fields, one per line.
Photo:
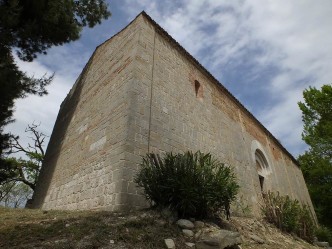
x=142 y=92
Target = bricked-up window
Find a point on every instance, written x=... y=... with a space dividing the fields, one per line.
x=198 y=89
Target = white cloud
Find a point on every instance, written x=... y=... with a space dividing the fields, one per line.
x=66 y=62
x=292 y=37
x=298 y=34
x=37 y=109
x=295 y=37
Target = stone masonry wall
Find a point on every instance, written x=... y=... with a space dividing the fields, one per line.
x=85 y=161
x=169 y=115
x=141 y=93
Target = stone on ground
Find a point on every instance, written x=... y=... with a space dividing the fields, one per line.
x=170 y=243
x=185 y=224
x=218 y=239
x=322 y=244
x=191 y=245
x=199 y=224
x=256 y=238
x=188 y=232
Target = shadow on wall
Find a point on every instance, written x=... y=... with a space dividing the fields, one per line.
x=54 y=147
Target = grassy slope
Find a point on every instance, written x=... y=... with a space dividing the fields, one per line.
x=24 y=228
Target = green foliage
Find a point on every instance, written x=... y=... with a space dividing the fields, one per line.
x=20 y=170
x=31 y=27
x=14 y=194
x=14 y=84
x=317 y=118
x=193 y=184
x=316 y=163
x=317 y=172
x=25 y=171
x=324 y=234
x=5 y=190
x=288 y=215
x=240 y=207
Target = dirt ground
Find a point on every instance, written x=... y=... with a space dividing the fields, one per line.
x=272 y=237
x=24 y=228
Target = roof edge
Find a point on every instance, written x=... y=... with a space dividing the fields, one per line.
x=93 y=54
x=223 y=88
x=143 y=13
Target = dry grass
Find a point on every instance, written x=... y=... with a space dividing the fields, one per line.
x=23 y=228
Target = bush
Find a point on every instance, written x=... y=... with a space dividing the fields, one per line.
x=193 y=184
x=324 y=234
x=289 y=215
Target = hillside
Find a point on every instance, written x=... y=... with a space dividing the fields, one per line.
x=23 y=228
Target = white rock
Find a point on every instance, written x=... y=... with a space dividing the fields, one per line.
x=190 y=244
x=218 y=239
x=169 y=243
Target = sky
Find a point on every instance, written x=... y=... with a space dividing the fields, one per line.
x=264 y=52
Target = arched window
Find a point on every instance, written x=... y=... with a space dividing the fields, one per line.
x=262 y=167
x=198 y=89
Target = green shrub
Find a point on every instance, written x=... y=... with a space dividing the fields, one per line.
x=193 y=184
x=306 y=225
x=289 y=215
x=324 y=234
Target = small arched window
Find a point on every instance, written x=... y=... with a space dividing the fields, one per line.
x=261 y=167
x=261 y=161
x=198 y=89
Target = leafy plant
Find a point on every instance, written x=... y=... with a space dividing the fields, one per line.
x=324 y=234
x=241 y=207
x=288 y=215
x=193 y=184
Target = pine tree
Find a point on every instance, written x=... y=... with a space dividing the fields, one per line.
x=29 y=28
x=316 y=163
